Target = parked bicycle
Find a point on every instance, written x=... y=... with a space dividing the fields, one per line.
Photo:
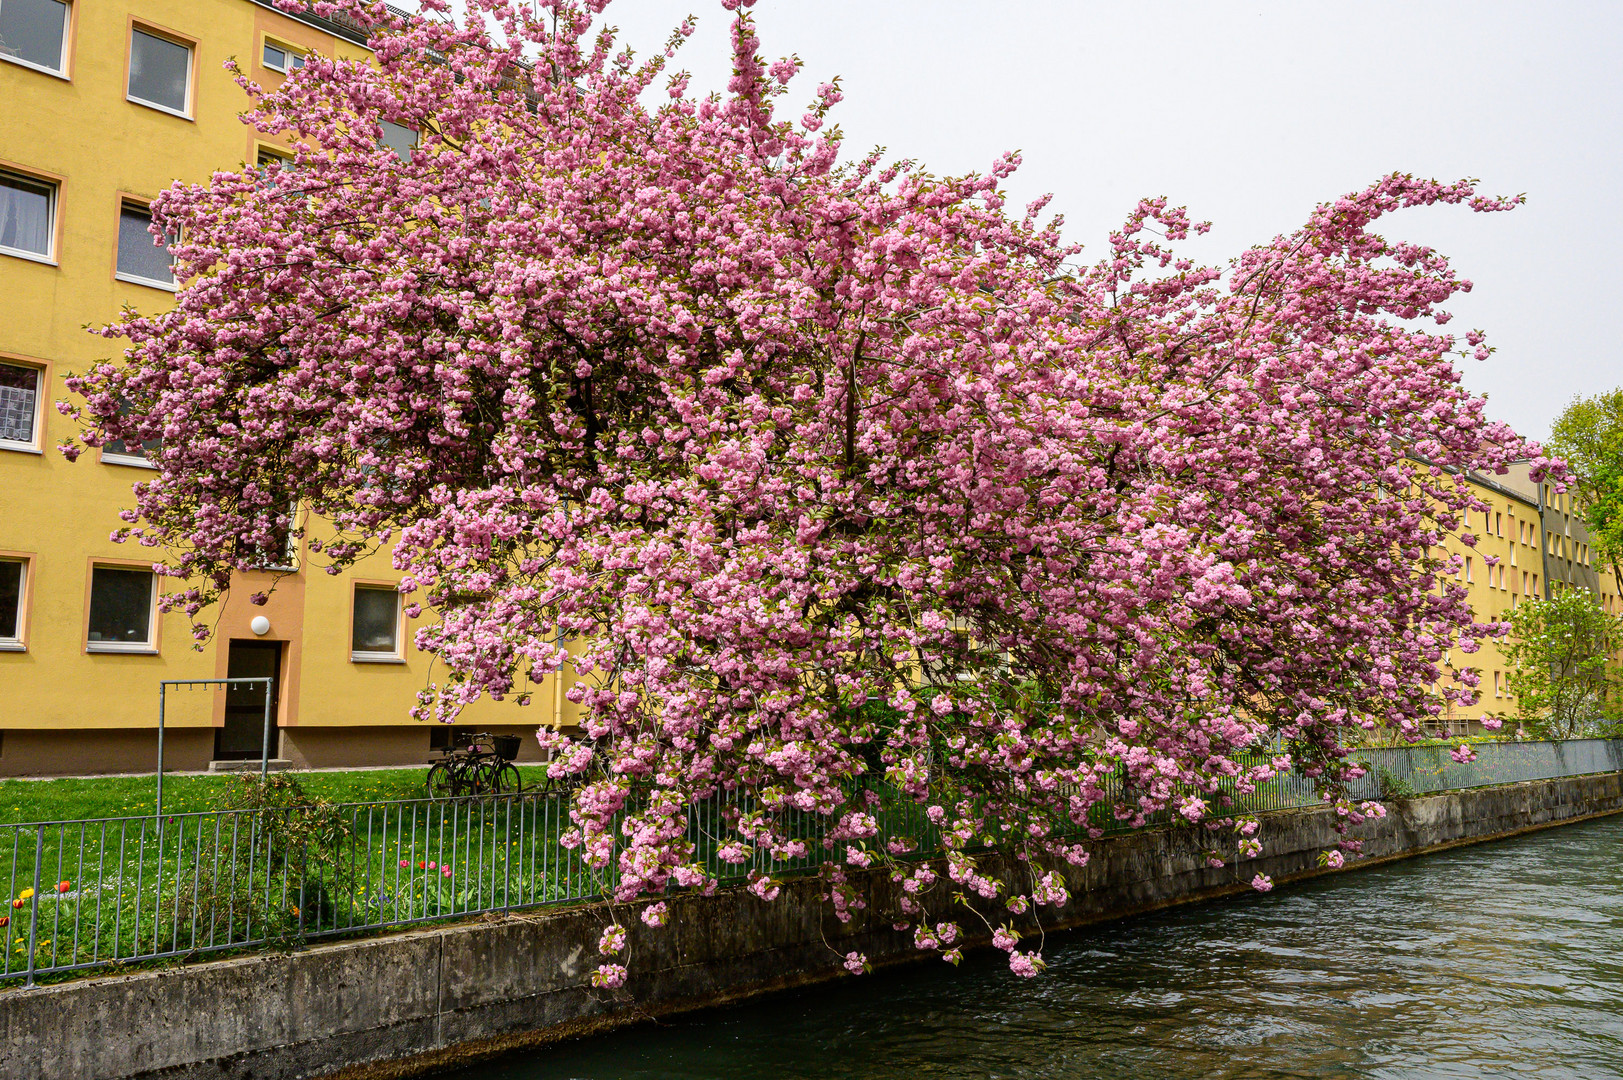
x=478 y=764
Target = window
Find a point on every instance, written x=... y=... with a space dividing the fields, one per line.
x=398 y=138
x=375 y=626
x=1535 y=585
x=1524 y=582
x=122 y=603
x=1468 y=576
x=27 y=216
x=13 y=582
x=281 y=58
x=1496 y=691
x=33 y=32
x=119 y=452
x=160 y=72
x=276 y=167
x=1498 y=525
x=283 y=551
x=142 y=259
x=19 y=407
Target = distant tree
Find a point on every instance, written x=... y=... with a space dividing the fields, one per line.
x=1561 y=668
x=1589 y=435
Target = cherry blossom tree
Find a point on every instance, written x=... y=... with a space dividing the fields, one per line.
x=840 y=476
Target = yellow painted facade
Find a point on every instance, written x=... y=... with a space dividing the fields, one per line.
x=67 y=705
x=1529 y=542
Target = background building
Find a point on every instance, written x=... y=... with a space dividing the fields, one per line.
x=102 y=105
x=1530 y=542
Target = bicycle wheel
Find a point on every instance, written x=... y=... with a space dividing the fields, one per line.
x=442 y=781
x=506 y=780
x=479 y=778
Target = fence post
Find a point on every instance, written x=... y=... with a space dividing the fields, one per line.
x=157 y=806
x=304 y=873
x=33 y=901
x=264 y=747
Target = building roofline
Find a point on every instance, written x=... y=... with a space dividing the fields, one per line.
x=1524 y=499
x=339 y=26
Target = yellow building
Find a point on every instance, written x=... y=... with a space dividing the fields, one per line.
x=1530 y=542
x=102 y=105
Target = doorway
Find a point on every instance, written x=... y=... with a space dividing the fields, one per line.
x=244 y=731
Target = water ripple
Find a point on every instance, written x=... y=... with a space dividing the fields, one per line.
x=1501 y=960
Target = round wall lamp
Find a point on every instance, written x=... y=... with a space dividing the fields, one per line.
x=260 y=625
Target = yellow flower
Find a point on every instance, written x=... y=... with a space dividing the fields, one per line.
x=26 y=893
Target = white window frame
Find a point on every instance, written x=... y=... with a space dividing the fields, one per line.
x=51 y=205
x=139 y=461
x=416 y=138
x=40 y=391
x=18 y=642
x=61 y=70
x=136 y=279
x=398 y=656
x=284 y=158
x=295 y=57
x=147 y=647
x=132 y=460
x=288 y=558
x=191 y=69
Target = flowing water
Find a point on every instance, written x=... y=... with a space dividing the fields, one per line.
x=1499 y=960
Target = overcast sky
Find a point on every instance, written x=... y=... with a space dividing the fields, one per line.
x=1249 y=114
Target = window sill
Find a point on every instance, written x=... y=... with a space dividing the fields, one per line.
x=19 y=448
x=30 y=256
x=132 y=462
x=113 y=647
x=31 y=66
x=150 y=283
x=13 y=646
x=133 y=100
x=375 y=658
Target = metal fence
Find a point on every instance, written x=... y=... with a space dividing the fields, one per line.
x=102 y=893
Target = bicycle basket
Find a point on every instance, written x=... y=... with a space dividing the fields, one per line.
x=506 y=746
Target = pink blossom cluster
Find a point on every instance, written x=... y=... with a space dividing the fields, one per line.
x=822 y=474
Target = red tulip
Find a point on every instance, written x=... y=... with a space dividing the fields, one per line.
x=63 y=886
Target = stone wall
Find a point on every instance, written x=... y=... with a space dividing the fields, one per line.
x=408 y=1003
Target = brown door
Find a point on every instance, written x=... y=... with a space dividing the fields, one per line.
x=244 y=729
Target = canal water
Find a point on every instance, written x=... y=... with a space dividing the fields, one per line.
x=1498 y=960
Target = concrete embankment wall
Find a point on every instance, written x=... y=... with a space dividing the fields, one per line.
x=408 y=1003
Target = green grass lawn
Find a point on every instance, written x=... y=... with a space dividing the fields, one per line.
x=79 y=799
